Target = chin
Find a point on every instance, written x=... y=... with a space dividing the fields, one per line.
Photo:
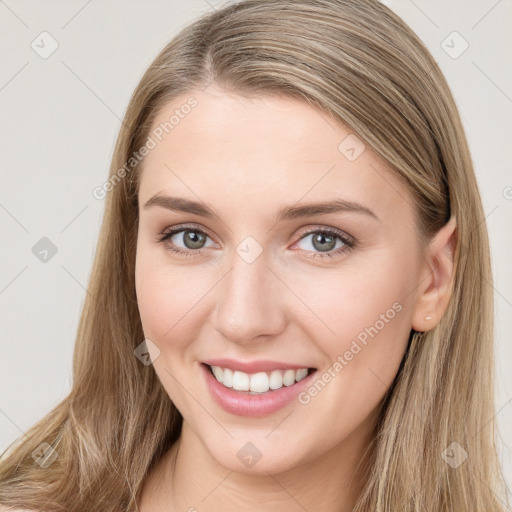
x=255 y=457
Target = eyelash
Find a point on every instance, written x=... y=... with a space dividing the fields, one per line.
x=349 y=242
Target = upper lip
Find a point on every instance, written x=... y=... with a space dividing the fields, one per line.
x=254 y=366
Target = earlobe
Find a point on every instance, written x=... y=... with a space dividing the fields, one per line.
x=438 y=277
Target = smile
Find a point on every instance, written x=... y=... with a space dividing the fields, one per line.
x=254 y=389
x=259 y=382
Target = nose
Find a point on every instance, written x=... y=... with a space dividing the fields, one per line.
x=250 y=302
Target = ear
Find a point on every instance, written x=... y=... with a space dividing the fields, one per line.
x=437 y=274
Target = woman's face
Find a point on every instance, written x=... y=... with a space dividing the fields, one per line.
x=267 y=281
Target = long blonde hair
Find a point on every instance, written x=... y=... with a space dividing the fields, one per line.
x=365 y=67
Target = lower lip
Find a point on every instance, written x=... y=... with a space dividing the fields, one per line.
x=243 y=404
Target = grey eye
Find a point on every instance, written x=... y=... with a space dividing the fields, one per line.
x=322 y=242
x=191 y=239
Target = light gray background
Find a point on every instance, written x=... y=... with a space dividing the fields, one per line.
x=59 y=119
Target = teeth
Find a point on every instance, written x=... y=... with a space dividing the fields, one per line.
x=303 y=372
x=227 y=377
x=289 y=377
x=276 y=380
x=240 y=381
x=217 y=371
x=259 y=382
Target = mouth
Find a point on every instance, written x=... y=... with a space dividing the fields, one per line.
x=256 y=394
x=258 y=383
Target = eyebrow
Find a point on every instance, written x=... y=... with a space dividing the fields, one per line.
x=181 y=204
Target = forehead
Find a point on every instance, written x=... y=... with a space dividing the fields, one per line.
x=266 y=151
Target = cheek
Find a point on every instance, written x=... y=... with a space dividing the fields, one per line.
x=357 y=303
x=170 y=299
x=368 y=314
x=365 y=314
x=153 y=298
x=169 y=302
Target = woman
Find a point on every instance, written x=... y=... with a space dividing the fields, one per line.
x=289 y=307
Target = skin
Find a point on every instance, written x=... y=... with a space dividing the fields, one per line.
x=247 y=158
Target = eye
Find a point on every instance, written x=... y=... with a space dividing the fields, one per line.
x=325 y=241
x=192 y=238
